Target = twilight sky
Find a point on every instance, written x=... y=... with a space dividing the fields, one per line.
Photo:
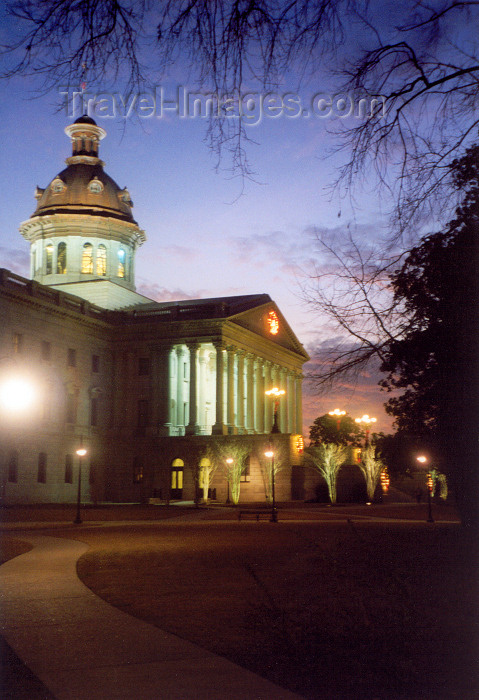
x=206 y=235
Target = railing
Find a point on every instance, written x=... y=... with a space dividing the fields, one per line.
x=15 y=283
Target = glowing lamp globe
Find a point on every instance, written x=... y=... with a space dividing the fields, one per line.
x=16 y=395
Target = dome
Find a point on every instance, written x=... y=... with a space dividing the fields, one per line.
x=84 y=188
x=85 y=119
x=82 y=233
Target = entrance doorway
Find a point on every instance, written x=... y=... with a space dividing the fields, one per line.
x=177 y=469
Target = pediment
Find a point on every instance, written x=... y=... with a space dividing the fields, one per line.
x=268 y=322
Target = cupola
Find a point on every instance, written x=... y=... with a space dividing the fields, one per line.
x=82 y=230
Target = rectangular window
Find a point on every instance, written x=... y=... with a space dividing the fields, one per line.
x=142 y=413
x=42 y=468
x=95 y=364
x=46 y=351
x=17 y=342
x=71 y=409
x=94 y=411
x=143 y=366
x=71 y=357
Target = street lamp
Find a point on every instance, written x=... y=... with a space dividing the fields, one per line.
x=337 y=414
x=17 y=394
x=276 y=393
x=422 y=459
x=81 y=452
x=230 y=462
x=366 y=420
x=274 y=512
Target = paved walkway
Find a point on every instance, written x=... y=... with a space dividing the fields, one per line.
x=82 y=648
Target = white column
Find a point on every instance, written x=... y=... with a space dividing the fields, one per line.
x=180 y=380
x=268 y=401
x=250 y=393
x=299 y=404
x=202 y=389
x=259 y=397
x=283 y=402
x=291 y=397
x=192 y=427
x=231 y=389
x=219 y=426
x=240 y=422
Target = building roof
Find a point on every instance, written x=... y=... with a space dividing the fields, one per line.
x=76 y=196
x=84 y=187
x=216 y=307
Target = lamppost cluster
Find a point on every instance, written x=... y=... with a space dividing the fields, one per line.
x=338 y=414
x=276 y=394
x=366 y=421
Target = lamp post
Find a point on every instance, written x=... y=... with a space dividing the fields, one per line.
x=276 y=393
x=366 y=420
x=274 y=512
x=81 y=452
x=338 y=414
x=422 y=459
x=228 y=461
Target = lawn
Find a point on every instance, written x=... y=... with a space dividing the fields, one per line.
x=331 y=610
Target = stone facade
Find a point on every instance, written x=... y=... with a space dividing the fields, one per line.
x=148 y=388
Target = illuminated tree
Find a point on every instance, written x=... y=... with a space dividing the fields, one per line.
x=207 y=466
x=231 y=459
x=328 y=459
x=279 y=462
x=371 y=467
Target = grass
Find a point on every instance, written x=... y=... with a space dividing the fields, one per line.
x=331 y=610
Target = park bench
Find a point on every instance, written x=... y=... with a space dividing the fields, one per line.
x=254 y=514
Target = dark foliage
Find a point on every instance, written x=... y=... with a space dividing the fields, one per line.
x=435 y=361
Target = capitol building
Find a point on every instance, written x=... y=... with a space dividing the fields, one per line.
x=149 y=389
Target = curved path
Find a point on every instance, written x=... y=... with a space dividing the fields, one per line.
x=82 y=648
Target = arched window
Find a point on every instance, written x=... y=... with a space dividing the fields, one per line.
x=87 y=259
x=49 y=259
x=62 y=259
x=121 y=262
x=101 y=260
x=69 y=469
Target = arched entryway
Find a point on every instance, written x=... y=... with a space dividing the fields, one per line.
x=177 y=469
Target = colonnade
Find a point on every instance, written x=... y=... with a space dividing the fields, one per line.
x=214 y=388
